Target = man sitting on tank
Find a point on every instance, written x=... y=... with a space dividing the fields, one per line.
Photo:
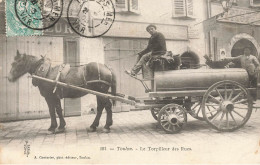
x=249 y=62
x=156 y=45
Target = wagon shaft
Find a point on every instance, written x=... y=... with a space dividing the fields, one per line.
x=117 y=98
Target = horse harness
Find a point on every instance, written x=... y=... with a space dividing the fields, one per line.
x=42 y=68
x=99 y=78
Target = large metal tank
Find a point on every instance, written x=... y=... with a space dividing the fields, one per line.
x=192 y=79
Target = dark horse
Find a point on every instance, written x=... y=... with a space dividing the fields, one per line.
x=93 y=76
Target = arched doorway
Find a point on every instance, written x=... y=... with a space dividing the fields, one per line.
x=239 y=46
x=189 y=59
x=240 y=39
x=238 y=49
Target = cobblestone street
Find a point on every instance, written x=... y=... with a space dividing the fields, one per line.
x=133 y=133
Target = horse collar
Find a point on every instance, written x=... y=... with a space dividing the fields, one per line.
x=37 y=66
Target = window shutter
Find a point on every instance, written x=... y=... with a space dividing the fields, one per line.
x=121 y=5
x=179 y=8
x=189 y=7
x=134 y=6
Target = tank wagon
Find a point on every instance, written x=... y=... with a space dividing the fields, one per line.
x=221 y=97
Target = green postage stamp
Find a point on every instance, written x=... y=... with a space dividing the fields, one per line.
x=31 y=17
x=14 y=26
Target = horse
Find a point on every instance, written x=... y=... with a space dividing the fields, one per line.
x=94 y=76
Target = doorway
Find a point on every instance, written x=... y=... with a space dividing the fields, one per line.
x=189 y=60
x=121 y=55
x=72 y=107
x=238 y=49
x=239 y=46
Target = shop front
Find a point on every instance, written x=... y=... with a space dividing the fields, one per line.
x=233 y=38
x=230 y=32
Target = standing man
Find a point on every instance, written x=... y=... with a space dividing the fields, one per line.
x=156 y=45
x=249 y=62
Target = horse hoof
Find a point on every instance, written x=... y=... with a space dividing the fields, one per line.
x=106 y=130
x=52 y=130
x=60 y=130
x=91 y=129
x=62 y=125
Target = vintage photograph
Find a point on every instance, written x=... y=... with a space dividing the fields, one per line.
x=129 y=82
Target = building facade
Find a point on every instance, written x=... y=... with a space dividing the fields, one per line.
x=228 y=33
x=176 y=19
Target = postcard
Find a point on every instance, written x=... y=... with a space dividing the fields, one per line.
x=129 y=82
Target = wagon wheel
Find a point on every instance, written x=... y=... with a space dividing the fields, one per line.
x=195 y=110
x=155 y=112
x=172 y=118
x=226 y=106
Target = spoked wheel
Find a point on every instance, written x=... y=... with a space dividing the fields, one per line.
x=172 y=118
x=155 y=112
x=196 y=110
x=226 y=106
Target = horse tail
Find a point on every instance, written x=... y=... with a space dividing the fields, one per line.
x=113 y=87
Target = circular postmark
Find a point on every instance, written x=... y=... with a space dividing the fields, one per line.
x=38 y=14
x=91 y=18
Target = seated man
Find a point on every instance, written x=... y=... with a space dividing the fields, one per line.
x=156 y=45
x=249 y=62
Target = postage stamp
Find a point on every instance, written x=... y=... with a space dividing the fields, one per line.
x=16 y=28
x=38 y=14
x=91 y=18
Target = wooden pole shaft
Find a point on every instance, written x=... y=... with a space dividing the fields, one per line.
x=117 y=98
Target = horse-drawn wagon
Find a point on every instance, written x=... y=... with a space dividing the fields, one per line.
x=221 y=97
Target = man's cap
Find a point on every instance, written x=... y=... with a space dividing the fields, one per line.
x=151 y=25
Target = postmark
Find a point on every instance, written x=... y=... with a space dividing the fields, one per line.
x=91 y=18
x=13 y=26
x=38 y=14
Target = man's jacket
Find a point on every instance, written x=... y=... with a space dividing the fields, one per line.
x=156 y=45
x=250 y=63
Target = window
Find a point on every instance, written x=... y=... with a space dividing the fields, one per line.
x=127 y=6
x=121 y=5
x=183 y=8
x=255 y=3
x=134 y=6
